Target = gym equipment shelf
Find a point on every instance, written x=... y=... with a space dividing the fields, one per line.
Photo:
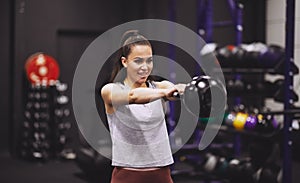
x=279 y=69
x=286 y=68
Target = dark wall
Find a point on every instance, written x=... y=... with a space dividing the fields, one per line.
x=253 y=22
x=64 y=28
x=5 y=73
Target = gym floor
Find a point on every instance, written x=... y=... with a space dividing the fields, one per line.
x=20 y=171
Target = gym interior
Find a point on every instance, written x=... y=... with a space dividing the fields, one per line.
x=256 y=43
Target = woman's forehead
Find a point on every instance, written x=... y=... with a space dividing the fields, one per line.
x=141 y=51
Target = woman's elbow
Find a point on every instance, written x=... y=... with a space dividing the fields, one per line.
x=132 y=98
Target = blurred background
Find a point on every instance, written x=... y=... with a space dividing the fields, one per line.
x=252 y=39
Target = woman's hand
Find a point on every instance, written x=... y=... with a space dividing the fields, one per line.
x=170 y=89
x=180 y=88
x=169 y=92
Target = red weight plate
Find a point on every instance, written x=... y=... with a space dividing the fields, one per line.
x=41 y=68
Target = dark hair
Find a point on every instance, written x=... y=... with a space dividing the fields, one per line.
x=129 y=39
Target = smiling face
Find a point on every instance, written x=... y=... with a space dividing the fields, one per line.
x=139 y=64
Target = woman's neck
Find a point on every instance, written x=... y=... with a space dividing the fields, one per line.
x=131 y=84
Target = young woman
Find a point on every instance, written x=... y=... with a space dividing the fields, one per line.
x=141 y=151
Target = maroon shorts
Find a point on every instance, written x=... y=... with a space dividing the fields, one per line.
x=161 y=175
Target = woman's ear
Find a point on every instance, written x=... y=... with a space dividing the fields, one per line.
x=124 y=62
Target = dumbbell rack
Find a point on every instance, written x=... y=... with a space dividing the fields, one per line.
x=43 y=133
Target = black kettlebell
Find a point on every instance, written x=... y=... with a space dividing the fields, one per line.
x=272 y=57
x=198 y=94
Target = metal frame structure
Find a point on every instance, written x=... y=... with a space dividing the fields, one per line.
x=206 y=23
x=288 y=86
x=206 y=26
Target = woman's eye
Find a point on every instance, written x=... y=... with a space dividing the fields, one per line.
x=138 y=61
x=141 y=61
x=150 y=60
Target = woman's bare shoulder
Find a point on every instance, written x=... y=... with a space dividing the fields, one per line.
x=107 y=88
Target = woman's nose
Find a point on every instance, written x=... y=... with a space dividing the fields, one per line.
x=144 y=66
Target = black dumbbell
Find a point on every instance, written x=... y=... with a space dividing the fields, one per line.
x=62 y=99
x=27 y=115
x=61 y=87
x=222 y=166
x=240 y=169
x=210 y=162
x=268 y=174
x=63 y=127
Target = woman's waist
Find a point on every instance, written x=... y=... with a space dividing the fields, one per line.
x=144 y=168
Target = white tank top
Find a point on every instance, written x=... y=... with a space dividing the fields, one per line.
x=139 y=135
